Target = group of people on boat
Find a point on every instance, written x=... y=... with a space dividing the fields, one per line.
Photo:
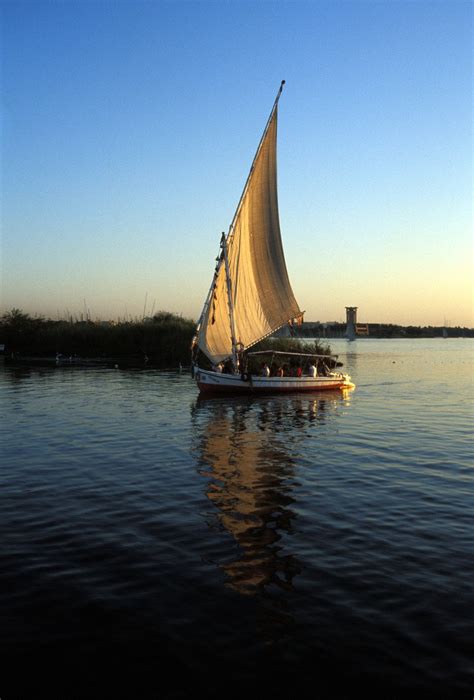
x=273 y=370
x=286 y=371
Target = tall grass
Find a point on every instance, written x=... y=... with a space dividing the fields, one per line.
x=164 y=339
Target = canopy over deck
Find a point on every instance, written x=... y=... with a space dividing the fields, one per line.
x=294 y=354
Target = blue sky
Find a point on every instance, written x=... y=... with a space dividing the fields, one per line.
x=128 y=129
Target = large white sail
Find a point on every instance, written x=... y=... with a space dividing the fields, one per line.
x=261 y=296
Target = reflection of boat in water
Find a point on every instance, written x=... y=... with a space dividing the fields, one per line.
x=251 y=296
x=248 y=450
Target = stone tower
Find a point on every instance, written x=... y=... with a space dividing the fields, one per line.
x=351 y=320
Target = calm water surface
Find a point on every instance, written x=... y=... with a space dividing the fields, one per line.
x=151 y=538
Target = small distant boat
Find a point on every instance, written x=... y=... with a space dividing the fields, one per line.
x=251 y=297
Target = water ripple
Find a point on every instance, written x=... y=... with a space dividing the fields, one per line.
x=282 y=538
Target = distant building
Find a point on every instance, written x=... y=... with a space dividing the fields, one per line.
x=351 y=322
x=353 y=329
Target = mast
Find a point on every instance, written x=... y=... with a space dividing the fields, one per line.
x=229 y=300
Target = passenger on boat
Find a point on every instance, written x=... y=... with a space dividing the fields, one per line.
x=280 y=372
x=299 y=371
x=265 y=370
x=219 y=367
x=312 y=370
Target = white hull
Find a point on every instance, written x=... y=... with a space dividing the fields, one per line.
x=216 y=382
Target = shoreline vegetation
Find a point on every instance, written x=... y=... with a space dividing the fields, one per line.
x=163 y=340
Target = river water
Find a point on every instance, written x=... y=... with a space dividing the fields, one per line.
x=322 y=542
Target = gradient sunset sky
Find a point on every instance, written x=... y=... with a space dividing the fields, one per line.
x=128 y=129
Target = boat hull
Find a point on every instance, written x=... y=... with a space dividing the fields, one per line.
x=219 y=383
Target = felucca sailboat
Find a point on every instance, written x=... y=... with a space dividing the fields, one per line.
x=251 y=297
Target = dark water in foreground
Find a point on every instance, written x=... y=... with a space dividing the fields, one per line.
x=325 y=543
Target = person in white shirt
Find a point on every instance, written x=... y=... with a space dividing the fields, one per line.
x=313 y=372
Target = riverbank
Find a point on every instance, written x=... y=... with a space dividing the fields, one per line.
x=311 y=329
x=162 y=341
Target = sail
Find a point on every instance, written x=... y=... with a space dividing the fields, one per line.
x=261 y=294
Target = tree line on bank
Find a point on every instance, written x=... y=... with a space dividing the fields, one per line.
x=163 y=340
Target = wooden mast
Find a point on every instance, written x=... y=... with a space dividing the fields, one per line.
x=229 y=301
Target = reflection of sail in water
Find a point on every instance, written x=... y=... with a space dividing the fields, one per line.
x=250 y=490
x=249 y=450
